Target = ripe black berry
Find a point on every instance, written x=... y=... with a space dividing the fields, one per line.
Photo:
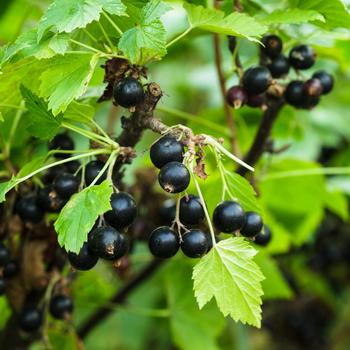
x=174 y=177
x=4 y=255
x=191 y=210
x=326 y=80
x=302 y=57
x=107 y=243
x=253 y=224
x=313 y=87
x=66 y=185
x=228 y=217
x=195 y=243
x=2 y=286
x=236 y=96
x=92 y=169
x=73 y=166
x=123 y=211
x=279 y=66
x=61 y=306
x=294 y=94
x=168 y=211
x=256 y=80
x=30 y=319
x=256 y=100
x=272 y=45
x=85 y=260
x=49 y=200
x=128 y=92
x=263 y=237
x=311 y=101
x=29 y=210
x=166 y=150
x=10 y=269
x=61 y=142
x=164 y=242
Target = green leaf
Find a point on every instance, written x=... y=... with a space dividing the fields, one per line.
x=63 y=340
x=66 y=79
x=42 y=123
x=33 y=165
x=235 y=24
x=6 y=187
x=67 y=15
x=337 y=202
x=79 y=112
x=148 y=38
x=229 y=274
x=79 y=215
x=291 y=16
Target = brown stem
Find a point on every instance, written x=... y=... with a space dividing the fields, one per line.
x=119 y=298
x=112 y=119
x=259 y=144
x=237 y=6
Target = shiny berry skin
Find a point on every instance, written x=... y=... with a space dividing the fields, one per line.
x=174 y=177
x=236 y=96
x=92 y=169
x=168 y=211
x=4 y=255
x=302 y=57
x=256 y=101
x=294 y=94
x=326 y=80
x=85 y=260
x=272 y=46
x=49 y=200
x=123 y=211
x=128 y=92
x=195 y=243
x=191 y=210
x=66 y=185
x=279 y=66
x=30 y=319
x=166 y=150
x=61 y=142
x=10 y=269
x=2 y=286
x=164 y=242
x=313 y=87
x=107 y=243
x=263 y=237
x=253 y=224
x=61 y=307
x=228 y=216
x=256 y=80
x=73 y=166
x=29 y=210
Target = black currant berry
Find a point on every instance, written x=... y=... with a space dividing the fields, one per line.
x=195 y=243
x=272 y=46
x=164 y=242
x=168 y=211
x=4 y=255
x=166 y=150
x=228 y=217
x=92 y=169
x=256 y=80
x=256 y=101
x=2 y=286
x=10 y=269
x=294 y=94
x=313 y=87
x=123 y=211
x=53 y=172
x=236 y=96
x=174 y=177
x=311 y=101
x=61 y=142
x=107 y=243
x=61 y=307
x=302 y=57
x=73 y=166
x=326 y=80
x=49 y=200
x=66 y=185
x=85 y=260
x=253 y=224
x=279 y=66
x=30 y=319
x=29 y=209
x=128 y=92
x=191 y=210
x=263 y=237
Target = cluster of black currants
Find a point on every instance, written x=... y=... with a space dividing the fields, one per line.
x=256 y=81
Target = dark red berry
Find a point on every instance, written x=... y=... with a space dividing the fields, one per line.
x=174 y=177
x=166 y=150
x=279 y=66
x=164 y=242
x=256 y=101
x=228 y=217
x=302 y=57
x=61 y=307
x=61 y=142
x=30 y=319
x=326 y=80
x=263 y=237
x=92 y=170
x=66 y=184
x=272 y=46
x=195 y=243
x=236 y=96
x=191 y=210
x=253 y=224
x=313 y=87
x=256 y=80
x=128 y=92
x=85 y=260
